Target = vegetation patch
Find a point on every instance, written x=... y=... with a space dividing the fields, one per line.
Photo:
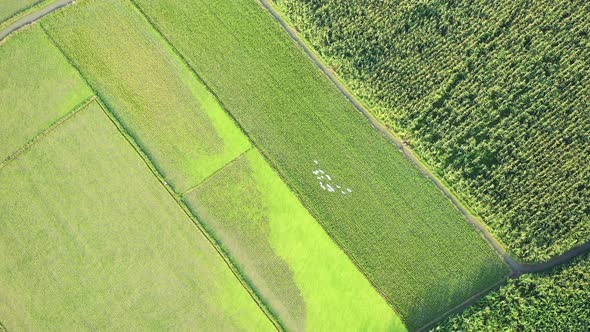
x=493 y=95
x=287 y=257
x=401 y=231
x=10 y=8
x=92 y=240
x=37 y=88
x=154 y=95
x=539 y=302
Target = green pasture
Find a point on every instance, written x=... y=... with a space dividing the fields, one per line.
x=396 y=225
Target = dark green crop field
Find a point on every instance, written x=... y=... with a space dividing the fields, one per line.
x=494 y=95
x=408 y=239
x=551 y=302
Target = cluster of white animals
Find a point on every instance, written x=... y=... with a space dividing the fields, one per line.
x=325 y=181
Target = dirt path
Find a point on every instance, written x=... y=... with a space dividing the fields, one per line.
x=516 y=267
x=32 y=17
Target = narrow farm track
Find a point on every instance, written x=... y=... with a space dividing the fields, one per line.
x=32 y=17
x=516 y=267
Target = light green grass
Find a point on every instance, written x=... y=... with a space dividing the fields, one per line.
x=92 y=241
x=171 y=115
x=309 y=283
x=9 y=8
x=37 y=87
x=399 y=228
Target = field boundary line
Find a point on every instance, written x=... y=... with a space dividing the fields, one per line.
x=154 y=169
x=461 y=306
x=250 y=148
x=278 y=172
x=196 y=222
x=264 y=307
x=32 y=17
x=39 y=137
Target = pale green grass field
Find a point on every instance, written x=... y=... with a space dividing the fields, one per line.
x=92 y=241
x=399 y=228
x=308 y=282
x=170 y=114
x=37 y=87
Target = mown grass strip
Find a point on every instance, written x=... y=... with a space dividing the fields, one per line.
x=409 y=240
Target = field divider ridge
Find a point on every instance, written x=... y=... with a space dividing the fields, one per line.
x=47 y=131
x=264 y=154
x=196 y=222
x=175 y=196
x=252 y=147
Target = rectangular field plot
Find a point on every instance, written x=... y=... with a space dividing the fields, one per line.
x=37 y=88
x=170 y=114
x=396 y=225
x=296 y=268
x=92 y=241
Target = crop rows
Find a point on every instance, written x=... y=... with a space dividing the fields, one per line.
x=296 y=268
x=493 y=95
x=558 y=300
x=400 y=230
x=167 y=111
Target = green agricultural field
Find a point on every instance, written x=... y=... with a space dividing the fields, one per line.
x=494 y=95
x=167 y=111
x=9 y=8
x=400 y=230
x=306 y=280
x=91 y=240
x=29 y=105
x=545 y=302
x=198 y=165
